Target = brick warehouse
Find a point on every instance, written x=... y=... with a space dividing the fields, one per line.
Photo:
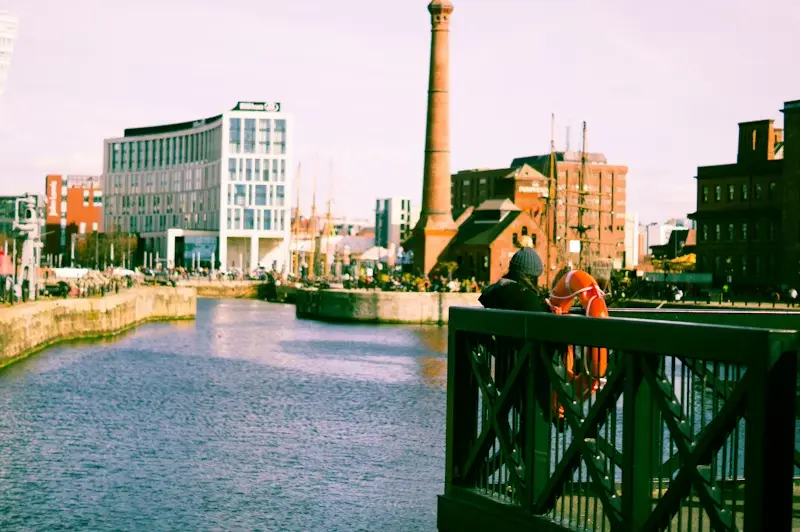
x=748 y=225
x=74 y=207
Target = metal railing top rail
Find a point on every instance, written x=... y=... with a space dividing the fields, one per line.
x=711 y=343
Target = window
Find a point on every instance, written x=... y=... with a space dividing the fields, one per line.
x=249 y=219
x=758 y=265
x=279 y=195
x=85 y=198
x=756 y=230
x=771 y=231
x=232 y=169
x=705 y=232
x=257 y=174
x=744 y=264
x=731 y=236
x=82 y=228
x=280 y=135
x=267 y=219
x=263 y=135
x=235 y=135
x=716 y=263
x=717 y=232
x=705 y=193
x=731 y=192
x=240 y=195
x=275 y=170
x=718 y=193
x=248 y=170
x=283 y=170
x=773 y=187
x=744 y=191
x=758 y=191
x=249 y=135
x=744 y=230
x=261 y=195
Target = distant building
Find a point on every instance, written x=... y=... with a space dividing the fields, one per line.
x=394 y=220
x=487 y=238
x=747 y=218
x=218 y=187
x=603 y=201
x=523 y=185
x=74 y=207
x=656 y=234
x=9 y=26
x=682 y=241
x=631 y=240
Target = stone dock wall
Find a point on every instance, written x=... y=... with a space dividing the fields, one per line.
x=236 y=289
x=374 y=306
x=27 y=328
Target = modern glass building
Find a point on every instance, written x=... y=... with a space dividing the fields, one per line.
x=219 y=187
x=8 y=36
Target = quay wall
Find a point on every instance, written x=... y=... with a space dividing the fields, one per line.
x=375 y=306
x=236 y=289
x=27 y=328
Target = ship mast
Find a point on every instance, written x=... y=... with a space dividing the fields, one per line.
x=295 y=245
x=312 y=262
x=580 y=228
x=329 y=225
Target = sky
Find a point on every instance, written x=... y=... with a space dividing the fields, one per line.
x=662 y=86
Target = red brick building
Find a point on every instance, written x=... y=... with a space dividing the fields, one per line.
x=74 y=207
x=745 y=221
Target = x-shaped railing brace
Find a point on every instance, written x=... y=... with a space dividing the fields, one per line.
x=496 y=426
x=694 y=455
x=584 y=438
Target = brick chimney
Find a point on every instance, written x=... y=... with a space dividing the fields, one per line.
x=756 y=141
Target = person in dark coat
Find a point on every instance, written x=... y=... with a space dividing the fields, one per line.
x=517 y=289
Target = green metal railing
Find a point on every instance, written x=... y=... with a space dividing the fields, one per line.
x=692 y=429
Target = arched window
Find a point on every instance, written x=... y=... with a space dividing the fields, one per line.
x=524 y=231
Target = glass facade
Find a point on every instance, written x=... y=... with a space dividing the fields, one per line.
x=205 y=245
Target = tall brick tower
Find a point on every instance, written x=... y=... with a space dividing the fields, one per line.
x=436 y=228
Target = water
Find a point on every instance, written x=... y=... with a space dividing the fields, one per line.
x=246 y=419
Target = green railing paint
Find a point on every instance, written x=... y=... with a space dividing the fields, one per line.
x=687 y=413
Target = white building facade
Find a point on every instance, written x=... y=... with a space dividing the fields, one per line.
x=394 y=221
x=217 y=189
x=631 y=240
x=9 y=27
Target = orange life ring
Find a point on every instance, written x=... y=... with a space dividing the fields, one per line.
x=590 y=372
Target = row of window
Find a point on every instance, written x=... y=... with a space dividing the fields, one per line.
x=170 y=181
x=257 y=195
x=192 y=148
x=256 y=219
x=206 y=221
x=163 y=203
x=730 y=232
x=264 y=140
x=739 y=265
x=742 y=192
x=240 y=169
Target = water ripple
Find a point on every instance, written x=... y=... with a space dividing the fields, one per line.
x=246 y=420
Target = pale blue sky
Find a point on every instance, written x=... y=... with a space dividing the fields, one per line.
x=662 y=85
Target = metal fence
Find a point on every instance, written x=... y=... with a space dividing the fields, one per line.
x=690 y=428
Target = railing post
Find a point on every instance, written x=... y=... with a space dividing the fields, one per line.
x=462 y=407
x=769 y=440
x=638 y=441
x=538 y=396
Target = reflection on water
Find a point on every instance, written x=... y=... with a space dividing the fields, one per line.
x=245 y=420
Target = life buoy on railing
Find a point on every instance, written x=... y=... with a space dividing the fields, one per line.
x=586 y=373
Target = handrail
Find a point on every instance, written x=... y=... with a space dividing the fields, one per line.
x=692 y=419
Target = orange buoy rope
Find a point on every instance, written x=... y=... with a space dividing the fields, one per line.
x=590 y=374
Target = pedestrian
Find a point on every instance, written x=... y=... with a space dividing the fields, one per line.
x=517 y=290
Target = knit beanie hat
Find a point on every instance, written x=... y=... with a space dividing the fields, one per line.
x=526 y=262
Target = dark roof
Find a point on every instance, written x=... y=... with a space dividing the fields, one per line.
x=483 y=228
x=490 y=174
x=170 y=128
x=540 y=162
